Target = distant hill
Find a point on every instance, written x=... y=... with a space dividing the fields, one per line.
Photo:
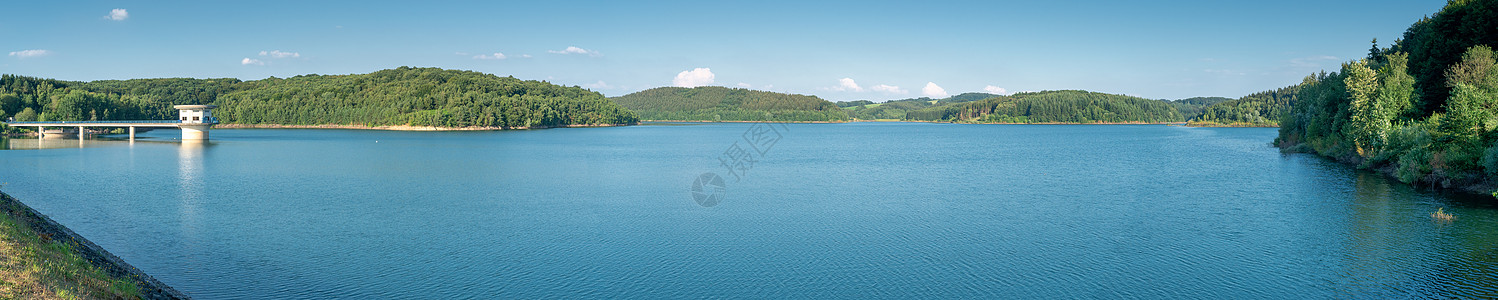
x=1192 y=107
x=401 y=96
x=896 y=109
x=1257 y=109
x=714 y=103
x=1069 y=106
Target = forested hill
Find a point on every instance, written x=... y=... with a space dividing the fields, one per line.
x=30 y=98
x=417 y=96
x=896 y=109
x=402 y=96
x=1424 y=108
x=1192 y=107
x=713 y=103
x=1262 y=109
x=1054 y=107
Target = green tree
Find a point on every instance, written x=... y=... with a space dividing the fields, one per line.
x=1376 y=55
x=26 y=115
x=1396 y=92
x=1476 y=66
x=1364 y=128
x=1474 y=100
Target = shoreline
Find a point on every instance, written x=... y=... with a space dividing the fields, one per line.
x=703 y=121
x=1240 y=125
x=402 y=127
x=1071 y=123
x=150 y=288
x=1041 y=123
x=1437 y=181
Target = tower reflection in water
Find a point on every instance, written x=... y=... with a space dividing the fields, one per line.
x=190 y=184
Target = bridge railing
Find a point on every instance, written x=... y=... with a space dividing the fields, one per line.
x=101 y=122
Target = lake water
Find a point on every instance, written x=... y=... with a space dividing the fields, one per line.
x=857 y=210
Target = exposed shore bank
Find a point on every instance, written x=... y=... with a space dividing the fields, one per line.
x=34 y=227
x=1439 y=180
x=1046 y=123
x=400 y=127
x=703 y=121
x=1247 y=125
x=1072 y=123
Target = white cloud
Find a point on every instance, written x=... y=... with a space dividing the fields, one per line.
x=460 y=53
x=600 y=85
x=933 y=91
x=769 y=86
x=694 y=78
x=279 y=54
x=845 y=85
x=995 y=90
x=743 y=85
x=249 y=61
x=30 y=53
x=574 y=50
x=496 y=55
x=525 y=56
x=889 y=89
x=118 y=14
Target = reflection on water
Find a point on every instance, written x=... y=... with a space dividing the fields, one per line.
x=190 y=183
x=38 y=144
x=33 y=144
x=1394 y=242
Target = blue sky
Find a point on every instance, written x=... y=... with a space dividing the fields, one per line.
x=839 y=50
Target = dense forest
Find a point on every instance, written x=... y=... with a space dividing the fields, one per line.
x=1424 y=109
x=417 y=96
x=1192 y=107
x=1054 y=107
x=35 y=99
x=896 y=109
x=713 y=103
x=402 y=96
x=1262 y=109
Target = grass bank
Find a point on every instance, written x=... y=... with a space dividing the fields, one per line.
x=40 y=259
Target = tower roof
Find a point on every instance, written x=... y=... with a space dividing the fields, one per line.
x=183 y=107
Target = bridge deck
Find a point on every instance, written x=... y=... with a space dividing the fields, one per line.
x=121 y=123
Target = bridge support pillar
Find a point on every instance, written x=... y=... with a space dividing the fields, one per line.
x=132 y=133
x=81 y=132
x=198 y=132
x=39 y=132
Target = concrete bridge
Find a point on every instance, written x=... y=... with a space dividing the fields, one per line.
x=194 y=120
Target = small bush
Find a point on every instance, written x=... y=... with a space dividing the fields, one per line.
x=1414 y=165
x=1489 y=160
x=1401 y=140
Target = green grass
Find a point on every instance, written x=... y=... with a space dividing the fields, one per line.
x=34 y=266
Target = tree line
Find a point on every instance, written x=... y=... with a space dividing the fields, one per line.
x=1068 y=106
x=1264 y=109
x=714 y=103
x=1426 y=106
x=402 y=96
x=1190 y=108
x=897 y=109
